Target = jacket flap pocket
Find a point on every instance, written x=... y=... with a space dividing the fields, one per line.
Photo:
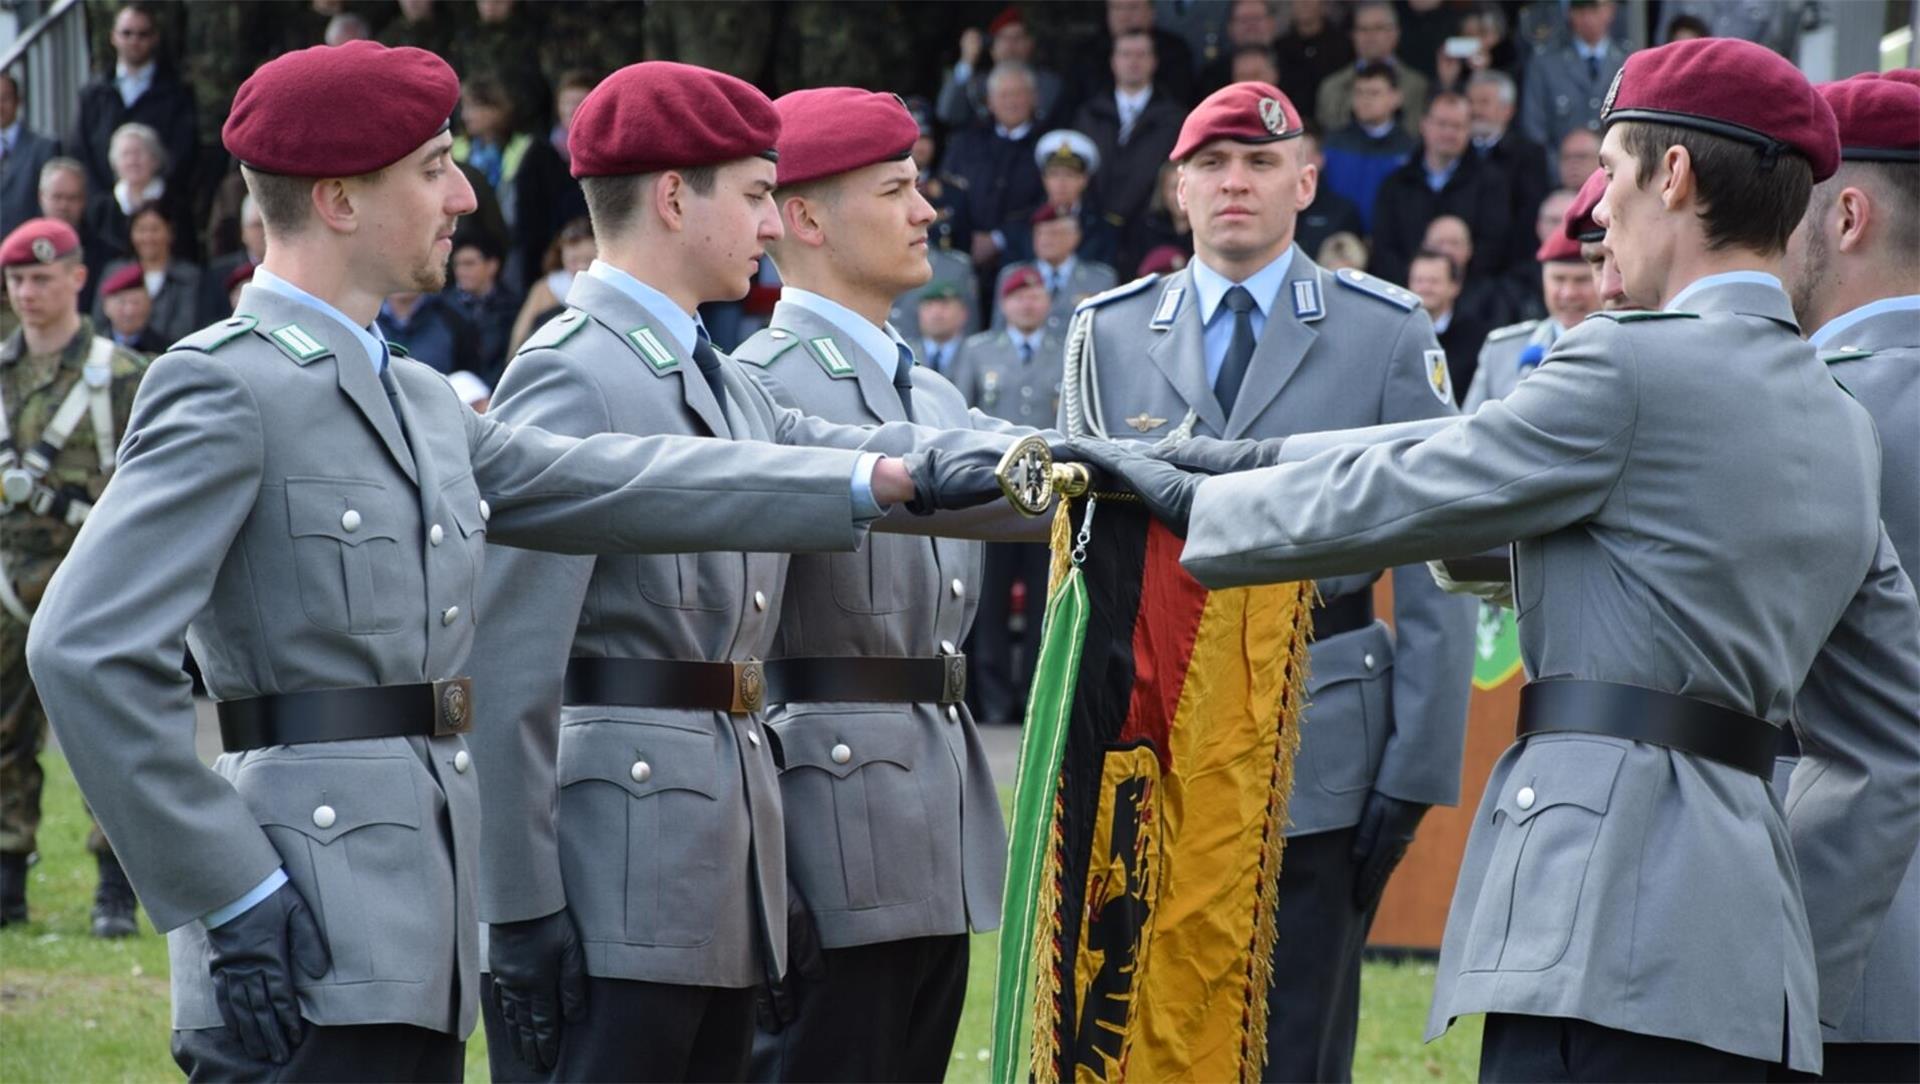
x=1561 y=771
x=347 y=510
x=842 y=745
x=1351 y=656
x=462 y=500
x=640 y=758
x=324 y=798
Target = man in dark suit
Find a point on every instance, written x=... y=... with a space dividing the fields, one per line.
x=23 y=152
x=1177 y=72
x=1442 y=179
x=1436 y=279
x=994 y=163
x=1134 y=125
x=1491 y=98
x=141 y=89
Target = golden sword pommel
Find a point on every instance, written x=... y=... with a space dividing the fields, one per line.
x=1030 y=478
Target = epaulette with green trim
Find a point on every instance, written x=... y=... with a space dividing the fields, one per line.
x=556 y=331
x=1125 y=289
x=1511 y=330
x=764 y=350
x=833 y=361
x=214 y=336
x=1844 y=353
x=397 y=350
x=1637 y=316
x=1379 y=289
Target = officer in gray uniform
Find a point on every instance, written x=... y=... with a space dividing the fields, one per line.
x=1855 y=285
x=631 y=686
x=1068 y=277
x=894 y=833
x=309 y=509
x=1701 y=558
x=1570 y=291
x=1305 y=349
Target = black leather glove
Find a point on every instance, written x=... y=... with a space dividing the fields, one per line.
x=1211 y=456
x=947 y=480
x=253 y=957
x=1166 y=489
x=539 y=979
x=1386 y=828
x=777 y=1002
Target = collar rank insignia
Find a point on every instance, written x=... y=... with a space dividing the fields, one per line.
x=830 y=357
x=1146 y=423
x=1169 y=304
x=1438 y=378
x=651 y=348
x=1306 y=300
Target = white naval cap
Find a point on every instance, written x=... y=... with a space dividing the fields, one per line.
x=1063 y=145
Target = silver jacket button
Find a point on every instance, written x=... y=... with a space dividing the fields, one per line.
x=753 y=738
x=435 y=535
x=1367 y=660
x=1524 y=798
x=953 y=714
x=462 y=761
x=841 y=754
x=959 y=588
x=486 y=510
x=641 y=771
x=946 y=647
x=349 y=521
x=449 y=615
x=759 y=600
x=323 y=817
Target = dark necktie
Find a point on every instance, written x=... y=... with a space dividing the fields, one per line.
x=1026 y=351
x=903 y=380
x=393 y=400
x=1233 y=370
x=1593 y=69
x=708 y=363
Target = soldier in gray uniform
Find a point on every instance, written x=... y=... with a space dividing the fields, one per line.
x=309 y=510
x=1571 y=291
x=1306 y=349
x=1011 y=373
x=1067 y=277
x=894 y=833
x=654 y=886
x=1854 y=276
x=1700 y=559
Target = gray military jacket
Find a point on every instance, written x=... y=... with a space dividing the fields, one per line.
x=903 y=837
x=1388 y=709
x=1880 y=364
x=1709 y=529
x=270 y=510
x=1087 y=278
x=666 y=869
x=992 y=377
x=1500 y=367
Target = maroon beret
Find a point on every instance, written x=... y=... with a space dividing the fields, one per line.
x=1578 y=225
x=1879 y=118
x=124 y=279
x=1009 y=16
x=1558 y=248
x=831 y=130
x=662 y=115
x=1049 y=212
x=1242 y=112
x=1019 y=278
x=239 y=275
x=340 y=110
x=1729 y=88
x=38 y=240
x=1163 y=260
x=1909 y=76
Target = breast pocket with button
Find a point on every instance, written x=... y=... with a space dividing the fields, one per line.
x=854 y=770
x=346 y=546
x=1550 y=811
x=1349 y=712
x=688 y=581
x=643 y=833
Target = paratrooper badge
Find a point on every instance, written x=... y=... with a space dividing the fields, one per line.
x=1272 y=114
x=43 y=250
x=1146 y=423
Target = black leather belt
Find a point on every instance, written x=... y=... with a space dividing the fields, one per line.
x=1678 y=722
x=435 y=709
x=1489 y=567
x=890 y=679
x=733 y=687
x=1347 y=613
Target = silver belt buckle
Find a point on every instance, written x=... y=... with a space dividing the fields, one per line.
x=749 y=687
x=452 y=706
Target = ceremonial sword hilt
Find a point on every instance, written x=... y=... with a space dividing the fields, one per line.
x=1031 y=479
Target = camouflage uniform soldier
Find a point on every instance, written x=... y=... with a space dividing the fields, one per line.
x=64 y=398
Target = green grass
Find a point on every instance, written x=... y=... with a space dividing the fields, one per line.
x=76 y=1009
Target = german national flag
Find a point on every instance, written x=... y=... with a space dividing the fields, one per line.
x=1148 y=817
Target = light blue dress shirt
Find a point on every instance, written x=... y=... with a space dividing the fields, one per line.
x=133 y=82
x=1757 y=278
x=369 y=338
x=668 y=316
x=1210 y=288
x=1833 y=331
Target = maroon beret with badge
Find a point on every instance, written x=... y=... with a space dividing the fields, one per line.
x=1578 y=225
x=1243 y=112
x=659 y=115
x=830 y=130
x=1729 y=88
x=38 y=240
x=1020 y=278
x=124 y=279
x=340 y=110
x=1879 y=118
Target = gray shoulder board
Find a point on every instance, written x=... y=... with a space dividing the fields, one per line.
x=1637 y=317
x=1379 y=289
x=214 y=336
x=765 y=348
x=556 y=331
x=1124 y=290
x=1511 y=330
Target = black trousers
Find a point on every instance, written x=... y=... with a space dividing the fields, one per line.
x=1864 y=1063
x=1555 y=1049
x=1001 y=662
x=1313 y=1006
x=884 y=1012
x=639 y=1031
x=347 y=1052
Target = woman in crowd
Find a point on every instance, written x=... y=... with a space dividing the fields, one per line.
x=173 y=283
x=140 y=164
x=570 y=254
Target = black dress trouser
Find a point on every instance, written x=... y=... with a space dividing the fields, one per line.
x=1002 y=663
x=1313 y=1006
x=343 y=1053
x=639 y=1031
x=1552 y=1049
x=882 y=1012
